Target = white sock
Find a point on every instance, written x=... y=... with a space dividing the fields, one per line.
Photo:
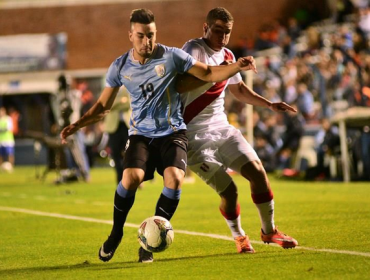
x=266 y=212
x=235 y=227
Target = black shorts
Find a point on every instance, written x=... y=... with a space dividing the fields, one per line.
x=152 y=154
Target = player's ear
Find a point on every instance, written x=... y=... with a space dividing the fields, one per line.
x=130 y=35
x=205 y=28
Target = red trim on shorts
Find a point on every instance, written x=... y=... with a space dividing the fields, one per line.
x=201 y=102
x=262 y=197
x=231 y=215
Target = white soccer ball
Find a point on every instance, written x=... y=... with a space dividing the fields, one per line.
x=155 y=234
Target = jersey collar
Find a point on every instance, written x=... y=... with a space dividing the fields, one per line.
x=146 y=60
x=209 y=51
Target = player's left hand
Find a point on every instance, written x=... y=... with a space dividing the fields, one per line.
x=282 y=107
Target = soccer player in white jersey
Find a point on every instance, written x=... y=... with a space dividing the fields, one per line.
x=157 y=139
x=215 y=145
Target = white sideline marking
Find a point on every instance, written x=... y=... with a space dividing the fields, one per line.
x=216 y=236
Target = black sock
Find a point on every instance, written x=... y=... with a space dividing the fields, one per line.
x=122 y=206
x=166 y=207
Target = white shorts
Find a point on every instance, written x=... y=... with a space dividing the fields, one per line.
x=212 y=152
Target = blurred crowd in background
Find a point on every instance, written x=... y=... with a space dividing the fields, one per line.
x=321 y=67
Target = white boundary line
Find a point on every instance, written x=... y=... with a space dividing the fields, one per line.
x=216 y=236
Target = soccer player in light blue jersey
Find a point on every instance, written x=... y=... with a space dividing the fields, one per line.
x=157 y=139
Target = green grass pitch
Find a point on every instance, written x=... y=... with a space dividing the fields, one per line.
x=54 y=232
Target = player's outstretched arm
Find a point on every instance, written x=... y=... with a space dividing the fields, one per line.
x=187 y=82
x=96 y=113
x=223 y=72
x=244 y=94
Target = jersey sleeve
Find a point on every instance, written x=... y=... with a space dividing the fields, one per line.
x=182 y=60
x=195 y=50
x=112 y=78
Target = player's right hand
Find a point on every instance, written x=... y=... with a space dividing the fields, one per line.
x=247 y=63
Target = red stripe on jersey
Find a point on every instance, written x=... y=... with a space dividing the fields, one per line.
x=201 y=102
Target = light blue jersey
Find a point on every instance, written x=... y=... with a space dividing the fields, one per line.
x=155 y=103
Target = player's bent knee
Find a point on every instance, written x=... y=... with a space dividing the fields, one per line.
x=173 y=177
x=132 y=177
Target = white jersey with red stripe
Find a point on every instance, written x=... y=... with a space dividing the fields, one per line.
x=204 y=106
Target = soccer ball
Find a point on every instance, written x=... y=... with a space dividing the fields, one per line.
x=155 y=234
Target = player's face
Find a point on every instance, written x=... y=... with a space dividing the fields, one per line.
x=143 y=38
x=218 y=34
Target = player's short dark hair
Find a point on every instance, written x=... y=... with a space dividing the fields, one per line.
x=143 y=16
x=219 y=13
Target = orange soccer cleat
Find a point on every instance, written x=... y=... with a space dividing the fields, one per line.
x=279 y=238
x=243 y=245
